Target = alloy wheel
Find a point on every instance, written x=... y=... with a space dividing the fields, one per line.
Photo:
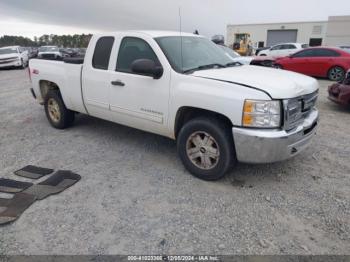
x=54 y=110
x=336 y=73
x=203 y=150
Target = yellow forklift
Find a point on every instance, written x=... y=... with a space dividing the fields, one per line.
x=243 y=44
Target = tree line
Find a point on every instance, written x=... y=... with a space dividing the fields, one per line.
x=74 y=41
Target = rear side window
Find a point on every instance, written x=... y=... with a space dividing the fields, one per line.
x=326 y=53
x=289 y=47
x=102 y=52
x=277 y=47
x=131 y=49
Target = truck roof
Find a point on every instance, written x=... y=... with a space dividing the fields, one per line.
x=153 y=33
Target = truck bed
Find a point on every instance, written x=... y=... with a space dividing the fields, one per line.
x=66 y=75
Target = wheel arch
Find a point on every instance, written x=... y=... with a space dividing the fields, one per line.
x=45 y=86
x=336 y=65
x=186 y=113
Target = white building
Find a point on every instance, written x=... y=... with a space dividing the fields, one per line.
x=334 y=32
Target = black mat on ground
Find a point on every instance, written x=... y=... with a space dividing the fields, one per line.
x=33 y=172
x=55 y=184
x=13 y=186
x=11 y=209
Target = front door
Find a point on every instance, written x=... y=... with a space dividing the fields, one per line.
x=136 y=100
x=300 y=62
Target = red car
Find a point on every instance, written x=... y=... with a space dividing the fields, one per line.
x=340 y=92
x=317 y=61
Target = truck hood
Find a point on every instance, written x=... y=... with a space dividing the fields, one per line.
x=279 y=84
x=7 y=56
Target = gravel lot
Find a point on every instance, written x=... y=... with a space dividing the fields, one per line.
x=135 y=197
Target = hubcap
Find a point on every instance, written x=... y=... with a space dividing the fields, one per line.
x=336 y=74
x=54 y=110
x=203 y=150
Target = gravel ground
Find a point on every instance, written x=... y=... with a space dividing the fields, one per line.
x=135 y=197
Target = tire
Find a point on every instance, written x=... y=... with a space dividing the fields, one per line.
x=277 y=66
x=336 y=73
x=56 y=112
x=193 y=140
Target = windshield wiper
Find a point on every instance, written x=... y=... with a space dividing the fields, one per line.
x=202 y=67
x=233 y=64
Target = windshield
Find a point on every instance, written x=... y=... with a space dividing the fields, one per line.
x=229 y=51
x=196 y=52
x=6 y=51
x=48 y=49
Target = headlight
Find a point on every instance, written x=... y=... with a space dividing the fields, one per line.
x=259 y=113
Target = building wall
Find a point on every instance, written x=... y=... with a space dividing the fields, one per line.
x=258 y=32
x=338 y=31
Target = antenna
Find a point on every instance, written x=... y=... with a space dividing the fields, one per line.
x=180 y=23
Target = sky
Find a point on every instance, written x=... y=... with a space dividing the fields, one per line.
x=37 y=17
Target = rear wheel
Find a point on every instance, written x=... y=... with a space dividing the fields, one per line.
x=206 y=148
x=56 y=112
x=336 y=73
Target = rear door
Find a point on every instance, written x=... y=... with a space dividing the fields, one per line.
x=275 y=51
x=137 y=100
x=322 y=61
x=288 y=49
x=95 y=84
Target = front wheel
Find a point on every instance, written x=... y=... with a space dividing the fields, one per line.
x=56 y=112
x=336 y=73
x=206 y=148
x=277 y=66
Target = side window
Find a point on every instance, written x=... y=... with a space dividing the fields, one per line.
x=131 y=49
x=277 y=47
x=305 y=53
x=290 y=47
x=326 y=53
x=102 y=52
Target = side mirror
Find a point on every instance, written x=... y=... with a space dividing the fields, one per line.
x=147 y=67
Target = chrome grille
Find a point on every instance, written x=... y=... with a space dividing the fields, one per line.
x=297 y=109
x=8 y=60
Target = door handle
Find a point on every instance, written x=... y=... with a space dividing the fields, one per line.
x=117 y=83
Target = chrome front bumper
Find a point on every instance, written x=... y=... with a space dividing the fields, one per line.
x=268 y=146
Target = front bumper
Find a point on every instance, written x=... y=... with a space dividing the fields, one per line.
x=268 y=146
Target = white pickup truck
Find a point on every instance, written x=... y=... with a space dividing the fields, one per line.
x=13 y=56
x=184 y=87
